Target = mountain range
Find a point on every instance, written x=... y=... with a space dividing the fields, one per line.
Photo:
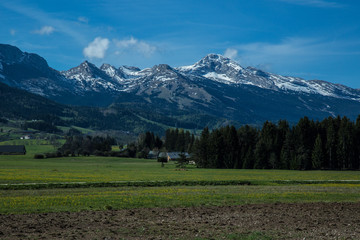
x=213 y=91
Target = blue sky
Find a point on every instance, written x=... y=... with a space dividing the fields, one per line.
x=312 y=39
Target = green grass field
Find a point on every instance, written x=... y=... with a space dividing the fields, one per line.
x=266 y=185
x=26 y=169
x=78 y=199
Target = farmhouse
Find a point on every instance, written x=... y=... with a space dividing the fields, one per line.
x=26 y=137
x=173 y=156
x=12 y=150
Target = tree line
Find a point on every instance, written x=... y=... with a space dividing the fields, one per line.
x=179 y=140
x=86 y=145
x=333 y=143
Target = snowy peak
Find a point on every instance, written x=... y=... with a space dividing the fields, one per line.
x=162 y=73
x=86 y=69
x=213 y=63
x=162 y=68
x=112 y=72
x=213 y=60
x=88 y=78
x=215 y=67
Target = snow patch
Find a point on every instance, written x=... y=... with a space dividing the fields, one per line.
x=163 y=78
x=132 y=72
x=186 y=68
x=219 y=77
x=127 y=71
x=235 y=66
x=110 y=71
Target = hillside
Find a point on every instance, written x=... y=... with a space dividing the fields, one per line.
x=21 y=105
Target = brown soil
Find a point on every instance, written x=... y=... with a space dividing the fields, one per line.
x=280 y=221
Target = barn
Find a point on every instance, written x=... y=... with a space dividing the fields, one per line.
x=12 y=150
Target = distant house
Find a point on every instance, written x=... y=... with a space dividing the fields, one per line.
x=12 y=150
x=173 y=156
x=26 y=137
x=153 y=154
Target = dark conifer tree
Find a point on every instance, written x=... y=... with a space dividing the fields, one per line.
x=317 y=156
x=217 y=151
x=180 y=141
x=331 y=144
x=345 y=145
x=305 y=134
x=191 y=144
x=202 y=149
x=248 y=159
x=266 y=149
x=232 y=146
x=158 y=143
x=287 y=155
x=261 y=157
x=356 y=160
x=187 y=141
x=248 y=137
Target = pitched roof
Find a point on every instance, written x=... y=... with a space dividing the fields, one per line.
x=176 y=155
x=12 y=149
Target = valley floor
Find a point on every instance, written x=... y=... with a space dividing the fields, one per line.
x=252 y=221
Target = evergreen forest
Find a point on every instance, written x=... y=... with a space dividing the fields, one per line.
x=333 y=143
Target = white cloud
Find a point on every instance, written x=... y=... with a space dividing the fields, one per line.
x=126 y=43
x=292 y=51
x=289 y=47
x=83 y=19
x=97 y=48
x=134 y=44
x=231 y=53
x=45 y=30
x=59 y=24
x=12 y=32
x=315 y=3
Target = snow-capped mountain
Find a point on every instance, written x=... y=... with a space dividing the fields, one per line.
x=224 y=70
x=215 y=85
x=87 y=78
x=213 y=67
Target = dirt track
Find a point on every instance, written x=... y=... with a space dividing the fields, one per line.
x=281 y=221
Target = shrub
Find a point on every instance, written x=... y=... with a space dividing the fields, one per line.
x=39 y=156
x=50 y=155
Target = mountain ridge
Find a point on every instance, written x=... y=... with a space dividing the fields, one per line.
x=215 y=86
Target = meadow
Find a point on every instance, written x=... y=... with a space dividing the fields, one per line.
x=79 y=199
x=170 y=187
